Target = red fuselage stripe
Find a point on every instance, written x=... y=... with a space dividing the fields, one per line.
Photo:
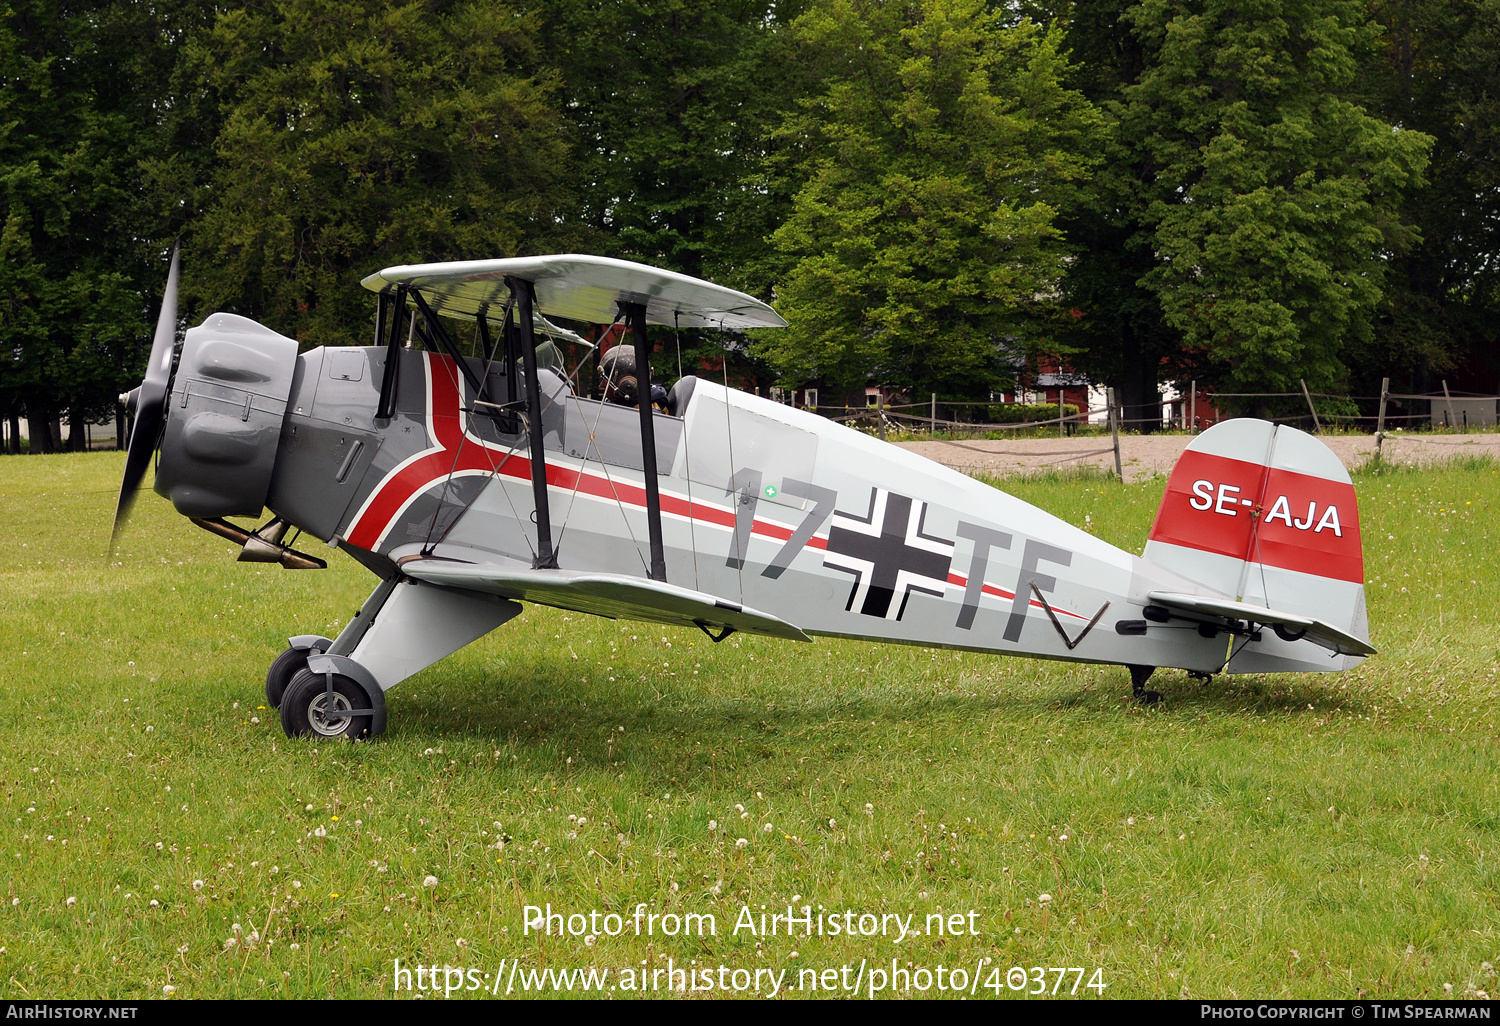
x=446 y=427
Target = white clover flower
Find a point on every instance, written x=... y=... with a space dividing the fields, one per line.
x=320 y=832
x=1130 y=821
x=159 y=846
x=297 y=883
x=429 y=881
x=589 y=940
x=1044 y=898
x=71 y=901
x=713 y=825
x=741 y=843
x=296 y=946
x=255 y=719
x=461 y=943
x=767 y=828
x=230 y=942
x=869 y=809
x=1063 y=838
x=168 y=989
x=739 y=808
x=833 y=824
x=582 y=820
x=197 y=885
x=155 y=903
x=275 y=870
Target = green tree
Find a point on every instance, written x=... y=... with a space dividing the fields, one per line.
x=1437 y=70
x=360 y=134
x=673 y=105
x=1274 y=196
x=80 y=108
x=1111 y=326
x=936 y=151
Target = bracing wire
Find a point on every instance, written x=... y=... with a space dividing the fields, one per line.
x=578 y=481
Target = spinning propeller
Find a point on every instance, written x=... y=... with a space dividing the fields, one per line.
x=147 y=402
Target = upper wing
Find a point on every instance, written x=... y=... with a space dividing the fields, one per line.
x=582 y=288
x=1316 y=631
x=613 y=595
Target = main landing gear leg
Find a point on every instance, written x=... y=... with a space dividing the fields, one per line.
x=1138 y=677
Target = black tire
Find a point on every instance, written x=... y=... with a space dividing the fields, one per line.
x=283 y=668
x=305 y=712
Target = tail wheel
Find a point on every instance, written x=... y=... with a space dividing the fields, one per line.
x=283 y=669
x=310 y=709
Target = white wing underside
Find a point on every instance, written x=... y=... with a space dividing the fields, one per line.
x=603 y=594
x=581 y=288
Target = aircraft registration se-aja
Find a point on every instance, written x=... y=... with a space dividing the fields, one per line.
x=470 y=485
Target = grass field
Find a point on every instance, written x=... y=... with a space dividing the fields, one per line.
x=1277 y=836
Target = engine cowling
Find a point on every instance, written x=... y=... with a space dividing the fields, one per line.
x=224 y=417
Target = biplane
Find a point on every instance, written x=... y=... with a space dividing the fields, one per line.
x=469 y=485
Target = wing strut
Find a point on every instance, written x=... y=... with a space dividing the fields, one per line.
x=394 y=313
x=524 y=294
x=635 y=316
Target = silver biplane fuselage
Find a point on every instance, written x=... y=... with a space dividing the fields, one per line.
x=468 y=485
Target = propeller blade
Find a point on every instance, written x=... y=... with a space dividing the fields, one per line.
x=150 y=400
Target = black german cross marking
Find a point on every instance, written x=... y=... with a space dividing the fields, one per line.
x=887 y=554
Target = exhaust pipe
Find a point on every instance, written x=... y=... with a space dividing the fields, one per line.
x=264 y=545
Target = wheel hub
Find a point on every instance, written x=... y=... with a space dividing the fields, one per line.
x=328 y=714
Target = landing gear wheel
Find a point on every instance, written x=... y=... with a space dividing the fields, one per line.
x=309 y=710
x=283 y=668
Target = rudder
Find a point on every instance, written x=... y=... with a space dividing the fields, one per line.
x=1267 y=515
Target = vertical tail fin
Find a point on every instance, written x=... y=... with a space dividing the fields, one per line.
x=1266 y=515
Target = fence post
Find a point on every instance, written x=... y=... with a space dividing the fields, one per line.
x=932 y=429
x=1318 y=427
x=1452 y=420
x=1193 y=423
x=1385 y=390
x=880 y=415
x=1114 y=430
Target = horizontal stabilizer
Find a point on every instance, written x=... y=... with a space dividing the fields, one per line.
x=1294 y=625
x=613 y=595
